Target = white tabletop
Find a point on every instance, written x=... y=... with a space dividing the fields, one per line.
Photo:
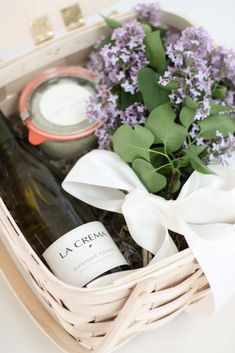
x=187 y=333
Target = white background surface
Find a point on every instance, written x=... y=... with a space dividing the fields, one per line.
x=188 y=333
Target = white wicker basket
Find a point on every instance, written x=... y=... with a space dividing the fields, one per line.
x=90 y=319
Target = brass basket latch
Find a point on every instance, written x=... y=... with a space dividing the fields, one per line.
x=41 y=28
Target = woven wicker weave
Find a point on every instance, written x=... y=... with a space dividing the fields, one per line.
x=94 y=319
x=101 y=319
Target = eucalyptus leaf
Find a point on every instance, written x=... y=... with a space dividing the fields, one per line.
x=153 y=95
x=111 y=23
x=156 y=53
x=187 y=116
x=131 y=143
x=196 y=162
x=222 y=123
x=152 y=180
x=161 y=123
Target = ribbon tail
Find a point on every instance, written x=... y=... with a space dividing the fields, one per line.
x=147 y=225
x=167 y=249
x=214 y=248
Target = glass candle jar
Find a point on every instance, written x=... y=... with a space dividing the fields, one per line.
x=53 y=108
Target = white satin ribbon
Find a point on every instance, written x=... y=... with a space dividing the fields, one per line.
x=204 y=213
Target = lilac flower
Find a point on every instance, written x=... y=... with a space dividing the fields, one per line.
x=171 y=37
x=191 y=48
x=197 y=42
x=229 y=98
x=149 y=13
x=190 y=56
x=177 y=96
x=223 y=64
x=104 y=138
x=194 y=131
x=203 y=110
x=167 y=76
x=104 y=110
x=117 y=64
x=120 y=62
x=96 y=65
x=135 y=114
x=220 y=151
x=200 y=141
x=130 y=35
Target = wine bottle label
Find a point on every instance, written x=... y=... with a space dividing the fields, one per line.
x=83 y=254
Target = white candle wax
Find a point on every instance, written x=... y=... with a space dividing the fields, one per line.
x=65 y=103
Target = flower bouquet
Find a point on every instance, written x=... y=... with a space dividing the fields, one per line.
x=165 y=100
x=165 y=105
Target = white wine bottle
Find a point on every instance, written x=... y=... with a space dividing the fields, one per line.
x=61 y=230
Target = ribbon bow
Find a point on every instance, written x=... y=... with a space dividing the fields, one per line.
x=204 y=213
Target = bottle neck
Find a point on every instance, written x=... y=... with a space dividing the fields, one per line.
x=6 y=132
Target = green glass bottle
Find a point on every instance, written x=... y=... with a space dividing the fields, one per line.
x=61 y=230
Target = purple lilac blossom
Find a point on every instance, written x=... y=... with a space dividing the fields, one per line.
x=135 y=114
x=203 y=110
x=223 y=64
x=190 y=56
x=96 y=65
x=194 y=131
x=149 y=13
x=117 y=64
x=123 y=59
x=171 y=37
x=220 y=151
x=229 y=98
x=201 y=64
x=105 y=111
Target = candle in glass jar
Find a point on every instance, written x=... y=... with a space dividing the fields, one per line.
x=53 y=107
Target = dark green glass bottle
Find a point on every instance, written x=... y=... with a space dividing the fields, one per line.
x=66 y=236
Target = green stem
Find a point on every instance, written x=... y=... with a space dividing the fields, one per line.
x=159 y=168
x=170 y=185
x=160 y=153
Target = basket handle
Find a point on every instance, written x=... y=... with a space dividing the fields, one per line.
x=126 y=316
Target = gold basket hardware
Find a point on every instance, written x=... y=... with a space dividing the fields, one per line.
x=72 y=17
x=41 y=29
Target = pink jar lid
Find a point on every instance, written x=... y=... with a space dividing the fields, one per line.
x=39 y=94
